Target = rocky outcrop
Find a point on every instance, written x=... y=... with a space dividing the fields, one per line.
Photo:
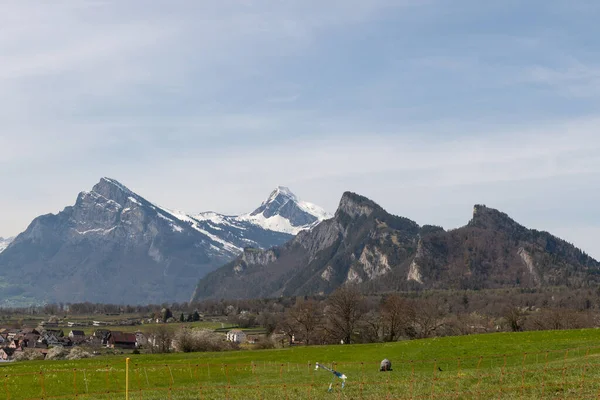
x=365 y=245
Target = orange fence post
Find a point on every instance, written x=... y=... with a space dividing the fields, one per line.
x=42 y=384
x=502 y=377
x=564 y=371
x=435 y=366
x=6 y=387
x=523 y=373
x=585 y=367
x=457 y=379
x=75 y=381
x=544 y=374
x=412 y=380
x=479 y=376
x=127 y=378
x=362 y=378
x=107 y=379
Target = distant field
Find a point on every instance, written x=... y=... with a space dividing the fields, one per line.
x=145 y=327
x=503 y=365
x=33 y=321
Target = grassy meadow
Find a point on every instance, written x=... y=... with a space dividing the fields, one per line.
x=547 y=364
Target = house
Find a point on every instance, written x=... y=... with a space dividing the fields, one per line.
x=120 y=340
x=100 y=323
x=56 y=332
x=140 y=339
x=77 y=336
x=6 y=354
x=50 y=339
x=47 y=324
x=31 y=339
x=236 y=336
x=74 y=324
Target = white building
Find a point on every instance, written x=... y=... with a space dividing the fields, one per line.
x=236 y=336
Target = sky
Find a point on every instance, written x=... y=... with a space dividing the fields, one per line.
x=427 y=107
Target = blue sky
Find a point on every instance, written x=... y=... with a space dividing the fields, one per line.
x=427 y=107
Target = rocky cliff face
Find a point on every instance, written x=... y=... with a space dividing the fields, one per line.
x=365 y=245
x=114 y=246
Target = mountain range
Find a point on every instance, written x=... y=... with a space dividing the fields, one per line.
x=365 y=245
x=114 y=246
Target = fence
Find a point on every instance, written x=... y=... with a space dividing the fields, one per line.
x=572 y=374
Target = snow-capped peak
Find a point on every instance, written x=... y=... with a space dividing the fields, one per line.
x=281 y=191
x=284 y=212
x=116 y=183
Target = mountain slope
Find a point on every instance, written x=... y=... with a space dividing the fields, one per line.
x=114 y=246
x=363 y=244
x=4 y=243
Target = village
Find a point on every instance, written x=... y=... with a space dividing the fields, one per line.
x=104 y=338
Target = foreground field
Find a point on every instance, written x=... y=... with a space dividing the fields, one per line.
x=520 y=365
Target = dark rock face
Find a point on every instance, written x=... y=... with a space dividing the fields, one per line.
x=114 y=246
x=365 y=245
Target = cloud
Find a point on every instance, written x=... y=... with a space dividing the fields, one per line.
x=425 y=106
x=575 y=79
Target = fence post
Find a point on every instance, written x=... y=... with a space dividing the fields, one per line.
x=523 y=374
x=564 y=371
x=435 y=366
x=42 y=384
x=6 y=387
x=502 y=378
x=457 y=379
x=127 y=378
x=479 y=376
x=585 y=367
x=75 y=381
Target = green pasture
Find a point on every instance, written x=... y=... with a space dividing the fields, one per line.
x=551 y=364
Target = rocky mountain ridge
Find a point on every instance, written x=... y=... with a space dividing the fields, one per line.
x=114 y=246
x=365 y=245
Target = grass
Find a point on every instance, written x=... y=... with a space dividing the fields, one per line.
x=477 y=366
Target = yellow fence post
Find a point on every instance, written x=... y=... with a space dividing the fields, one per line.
x=127 y=378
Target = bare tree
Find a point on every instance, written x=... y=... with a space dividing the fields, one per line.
x=427 y=319
x=396 y=313
x=307 y=316
x=287 y=326
x=345 y=308
x=514 y=317
x=161 y=339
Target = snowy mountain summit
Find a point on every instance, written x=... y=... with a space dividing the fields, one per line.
x=284 y=212
x=4 y=243
x=113 y=245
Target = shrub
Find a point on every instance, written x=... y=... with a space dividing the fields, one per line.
x=77 y=353
x=57 y=353
x=197 y=340
x=28 y=355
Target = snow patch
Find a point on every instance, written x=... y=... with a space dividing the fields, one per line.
x=4 y=243
x=134 y=200
x=101 y=231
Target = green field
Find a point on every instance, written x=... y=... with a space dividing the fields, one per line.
x=563 y=364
